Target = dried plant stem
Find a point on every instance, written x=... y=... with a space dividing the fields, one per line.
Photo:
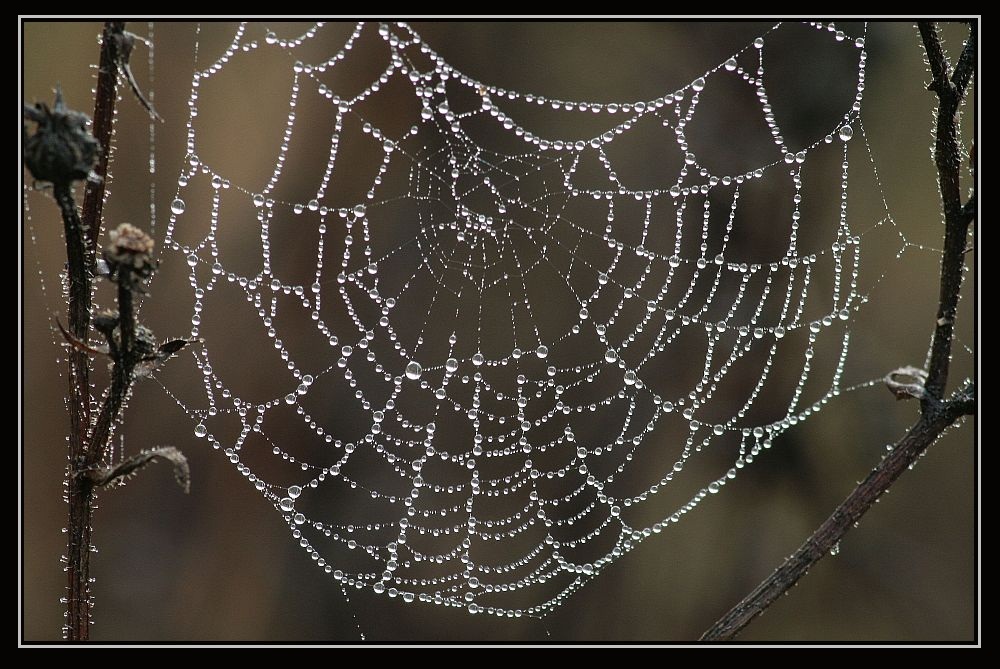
x=81 y=244
x=104 y=116
x=79 y=492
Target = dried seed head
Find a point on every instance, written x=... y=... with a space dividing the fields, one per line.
x=129 y=253
x=61 y=150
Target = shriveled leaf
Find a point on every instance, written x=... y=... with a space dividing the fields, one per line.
x=117 y=475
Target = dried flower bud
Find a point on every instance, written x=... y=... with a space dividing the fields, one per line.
x=61 y=150
x=145 y=342
x=145 y=348
x=130 y=253
x=106 y=322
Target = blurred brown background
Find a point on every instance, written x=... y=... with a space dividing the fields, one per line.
x=219 y=564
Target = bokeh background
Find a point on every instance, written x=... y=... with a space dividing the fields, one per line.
x=218 y=564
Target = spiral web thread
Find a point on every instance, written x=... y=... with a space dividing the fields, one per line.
x=481 y=326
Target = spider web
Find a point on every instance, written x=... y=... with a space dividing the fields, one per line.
x=506 y=353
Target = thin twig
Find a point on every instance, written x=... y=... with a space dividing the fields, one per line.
x=904 y=453
x=104 y=114
x=121 y=376
x=937 y=414
x=966 y=66
x=948 y=158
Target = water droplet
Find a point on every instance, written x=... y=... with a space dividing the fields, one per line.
x=835 y=549
x=413 y=370
x=294 y=491
x=759 y=43
x=731 y=64
x=258 y=200
x=177 y=206
x=584 y=314
x=270 y=37
x=846 y=132
x=542 y=352
x=200 y=430
x=698 y=84
x=286 y=504
x=359 y=210
x=610 y=356
x=451 y=365
x=478 y=359
x=192 y=259
x=630 y=378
